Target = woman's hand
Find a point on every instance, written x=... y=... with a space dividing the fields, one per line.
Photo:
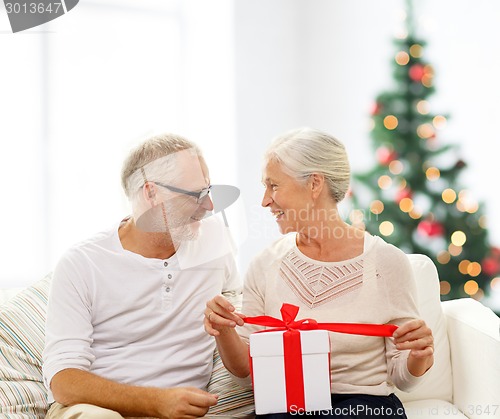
x=220 y=315
x=220 y=321
x=416 y=336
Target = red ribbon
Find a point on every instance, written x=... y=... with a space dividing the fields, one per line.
x=292 y=346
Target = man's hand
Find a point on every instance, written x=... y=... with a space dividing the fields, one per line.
x=73 y=386
x=185 y=403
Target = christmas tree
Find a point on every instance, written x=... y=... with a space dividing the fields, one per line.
x=412 y=195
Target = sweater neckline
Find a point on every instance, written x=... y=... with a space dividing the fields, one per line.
x=368 y=246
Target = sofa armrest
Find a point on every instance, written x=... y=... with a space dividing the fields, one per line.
x=474 y=334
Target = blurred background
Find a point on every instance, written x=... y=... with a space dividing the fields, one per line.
x=78 y=92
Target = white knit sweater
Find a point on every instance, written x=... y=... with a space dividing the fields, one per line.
x=375 y=287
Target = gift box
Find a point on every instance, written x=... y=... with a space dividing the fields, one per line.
x=290 y=363
x=290 y=371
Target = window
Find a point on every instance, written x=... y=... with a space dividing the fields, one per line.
x=79 y=92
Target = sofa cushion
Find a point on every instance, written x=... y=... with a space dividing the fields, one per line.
x=22 y=327
x=437 y=382
x=234 y=400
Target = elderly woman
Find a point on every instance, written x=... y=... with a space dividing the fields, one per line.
x=334 y=273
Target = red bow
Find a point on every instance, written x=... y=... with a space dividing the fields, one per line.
x=289 y=312
x=292 y=346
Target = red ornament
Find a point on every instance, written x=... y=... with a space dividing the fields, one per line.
x=386 y=155
x=490 y=266
x=430 y=228
x=491 y=263
x=376 y=108
x=416 y=72
x=495 y=251
x=403 y=193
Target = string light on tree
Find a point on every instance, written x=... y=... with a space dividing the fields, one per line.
x=391 y=122
x=449 y=196
x=396 y=167
x=403 y=193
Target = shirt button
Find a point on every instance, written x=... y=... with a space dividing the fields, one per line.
x=169 y=276
x=165 y=264
x=167 y=289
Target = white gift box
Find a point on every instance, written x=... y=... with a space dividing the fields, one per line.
x=268 y=372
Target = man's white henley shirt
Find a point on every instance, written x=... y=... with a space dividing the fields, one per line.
x=133 y=319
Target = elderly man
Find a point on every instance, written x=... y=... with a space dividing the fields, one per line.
x=124 y=334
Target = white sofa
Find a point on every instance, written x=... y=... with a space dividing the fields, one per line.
x=464 y=382
x=465 y=379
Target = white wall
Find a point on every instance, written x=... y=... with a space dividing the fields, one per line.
x=79 y=92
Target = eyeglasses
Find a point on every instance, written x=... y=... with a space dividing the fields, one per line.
x=200 y=196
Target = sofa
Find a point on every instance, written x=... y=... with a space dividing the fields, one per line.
x=463 y=383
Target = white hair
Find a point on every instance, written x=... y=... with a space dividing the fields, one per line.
x=153 y=160
x=305 y=151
